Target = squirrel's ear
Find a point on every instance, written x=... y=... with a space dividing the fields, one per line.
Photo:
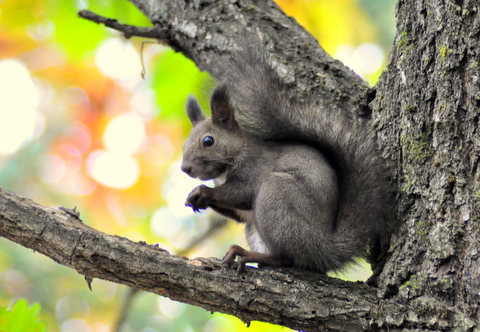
x=223 y=113
x=194 y=111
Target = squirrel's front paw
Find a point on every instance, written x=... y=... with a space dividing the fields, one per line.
x=198 y=198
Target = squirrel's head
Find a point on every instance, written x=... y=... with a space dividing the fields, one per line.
x=214 y=143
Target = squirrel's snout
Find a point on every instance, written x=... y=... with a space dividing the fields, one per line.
x=186 y=168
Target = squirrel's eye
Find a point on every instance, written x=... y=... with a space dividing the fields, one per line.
x=208 y=141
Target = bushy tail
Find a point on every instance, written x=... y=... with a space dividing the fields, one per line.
x=266 y=109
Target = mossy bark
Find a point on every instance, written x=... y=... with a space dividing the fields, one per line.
x=427 y=102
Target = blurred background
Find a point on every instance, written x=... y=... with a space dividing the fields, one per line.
x=79 y=126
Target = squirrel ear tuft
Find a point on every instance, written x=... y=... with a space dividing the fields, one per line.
x=223 y=113
x=194 y=111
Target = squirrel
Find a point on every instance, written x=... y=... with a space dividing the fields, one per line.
x=307 y=182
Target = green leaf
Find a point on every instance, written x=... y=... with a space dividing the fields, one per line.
x=75 y=35
x=174 y=78
x=78 y=36
x=20 y=318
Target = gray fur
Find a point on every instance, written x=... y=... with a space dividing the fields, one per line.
x=306 y=181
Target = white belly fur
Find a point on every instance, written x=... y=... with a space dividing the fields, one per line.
x=253 y=238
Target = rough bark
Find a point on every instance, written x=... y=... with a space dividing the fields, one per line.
x=429 y=99
x=424 y=112
x=288 y=297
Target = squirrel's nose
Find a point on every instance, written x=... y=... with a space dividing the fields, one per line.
x=186 y=168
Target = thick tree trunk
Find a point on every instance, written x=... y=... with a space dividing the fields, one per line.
x=428 y=99
x=424 y=112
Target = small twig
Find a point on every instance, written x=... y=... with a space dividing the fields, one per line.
x=216 y=223
x=141 y=57
x=128 y=30
x=125 y=309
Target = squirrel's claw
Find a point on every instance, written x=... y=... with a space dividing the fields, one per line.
x=232 y=253
x=194 y=208
x=197 y=199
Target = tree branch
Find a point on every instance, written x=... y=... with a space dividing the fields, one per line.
x=209 y=31
x=289 y=297
x=128 y=30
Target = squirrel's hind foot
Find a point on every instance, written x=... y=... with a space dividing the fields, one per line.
x=246 y=256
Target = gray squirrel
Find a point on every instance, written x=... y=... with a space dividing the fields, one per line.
x=307 y=182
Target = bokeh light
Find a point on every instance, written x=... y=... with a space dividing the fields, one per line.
x=19 y=98
x=113 y=169
x=124 y=134
x=119 y=60
x=365 y=60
